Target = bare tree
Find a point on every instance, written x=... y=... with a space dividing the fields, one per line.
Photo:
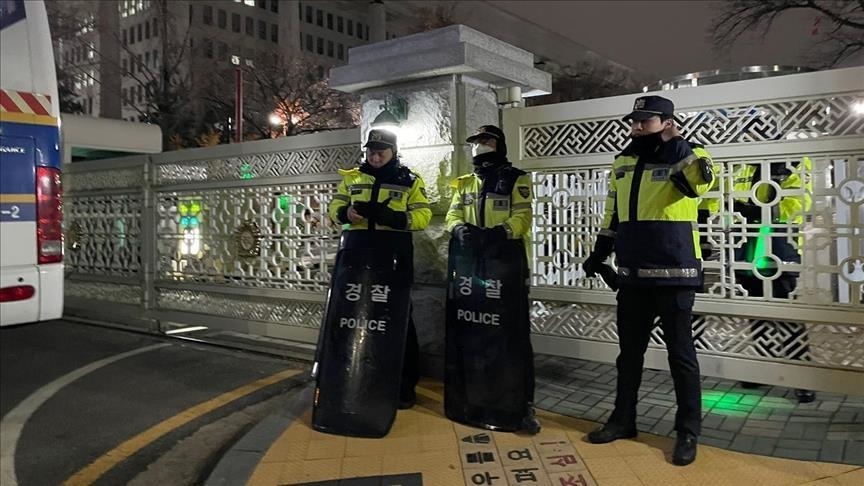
x=433 y=17
x=69 y=101
x=842 y=38
x=587 y=80
x=290 y=90
x=159 y=90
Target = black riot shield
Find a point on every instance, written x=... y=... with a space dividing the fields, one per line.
x=489 y=371
x=362 y=344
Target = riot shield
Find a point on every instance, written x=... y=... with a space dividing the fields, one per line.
x=488 y=379
x=362 y=344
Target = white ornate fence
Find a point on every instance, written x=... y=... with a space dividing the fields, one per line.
x=570 y=146
x=223 y=237
x=236 y=237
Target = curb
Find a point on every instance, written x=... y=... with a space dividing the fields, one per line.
x=239 y=462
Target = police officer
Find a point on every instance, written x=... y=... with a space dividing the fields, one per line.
x=650 y=223
x=383 y=201
x=784 y=339
x=491 y=209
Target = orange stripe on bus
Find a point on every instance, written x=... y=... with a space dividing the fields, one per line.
x=17 y=198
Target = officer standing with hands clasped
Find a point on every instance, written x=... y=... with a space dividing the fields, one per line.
x=489 y=372
x=369 y=354
x=650 y=224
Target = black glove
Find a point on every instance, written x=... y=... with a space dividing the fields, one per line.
x=602 y=249
x=592 y=264
x=342 y=215
x=707 y=249
x=387 y=216
x=381 y=213
x=466 y=234
x=363 y=208
x=494 y=235
x=609 y=276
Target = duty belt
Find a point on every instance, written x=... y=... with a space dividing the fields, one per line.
x=659 y=272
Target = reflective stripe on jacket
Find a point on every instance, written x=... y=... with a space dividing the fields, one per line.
x=651 y=212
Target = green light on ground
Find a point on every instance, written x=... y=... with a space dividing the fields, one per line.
x=730 y=404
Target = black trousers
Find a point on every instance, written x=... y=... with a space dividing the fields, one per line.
x=638 y=307
x=411 y=362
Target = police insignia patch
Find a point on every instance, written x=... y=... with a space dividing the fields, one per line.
x=467 y=198
x=524 y=191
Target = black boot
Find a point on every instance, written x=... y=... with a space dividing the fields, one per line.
x=530 y=424
x=407 y=399
x=805 y=396
x=610 y=432
x=685 y=449
x=749 y=385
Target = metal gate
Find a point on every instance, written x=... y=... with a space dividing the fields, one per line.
x=814 y=338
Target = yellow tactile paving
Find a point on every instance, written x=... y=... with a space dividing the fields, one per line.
x=423 y=441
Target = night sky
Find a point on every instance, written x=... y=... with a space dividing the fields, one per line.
x=667 y=38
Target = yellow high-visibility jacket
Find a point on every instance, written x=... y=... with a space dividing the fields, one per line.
x=651 y=213
x=508 y=205
x=405 y=190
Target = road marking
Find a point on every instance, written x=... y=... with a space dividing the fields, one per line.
x=13 y=423
x=130 y=447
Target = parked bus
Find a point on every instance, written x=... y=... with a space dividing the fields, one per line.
x=31 y=235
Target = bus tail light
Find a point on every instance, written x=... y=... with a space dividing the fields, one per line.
x=19 y=292
x=49 y=215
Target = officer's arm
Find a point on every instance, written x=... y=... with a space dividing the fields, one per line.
x=455 y=214
x=792 y=208
x=693 y=171
x=519 y=222
x=418 y=210
x=338 y=208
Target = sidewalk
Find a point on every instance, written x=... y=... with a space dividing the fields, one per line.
x=426 y=448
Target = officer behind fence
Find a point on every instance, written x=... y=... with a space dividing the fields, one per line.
x=505 y=216
x=777 y=339
x=650 y=223
x=385 y=224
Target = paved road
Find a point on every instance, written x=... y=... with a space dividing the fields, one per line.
x=86 y=404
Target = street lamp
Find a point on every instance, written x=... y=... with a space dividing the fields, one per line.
x=238 y=96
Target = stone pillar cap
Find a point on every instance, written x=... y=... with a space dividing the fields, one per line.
x=456 y=49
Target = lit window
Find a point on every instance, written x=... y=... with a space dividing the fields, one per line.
x=251 y=3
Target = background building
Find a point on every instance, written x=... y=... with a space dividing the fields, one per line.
x=125 y=58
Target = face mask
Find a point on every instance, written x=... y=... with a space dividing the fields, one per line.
x=480 y=149
x=646 y=144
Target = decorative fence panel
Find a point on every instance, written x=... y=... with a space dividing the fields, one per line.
x=809 y=126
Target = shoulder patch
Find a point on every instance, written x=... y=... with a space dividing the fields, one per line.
x=405 y=177
x=352 y=171
x=524 y=191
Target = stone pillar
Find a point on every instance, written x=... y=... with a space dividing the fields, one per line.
x=448 y=79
